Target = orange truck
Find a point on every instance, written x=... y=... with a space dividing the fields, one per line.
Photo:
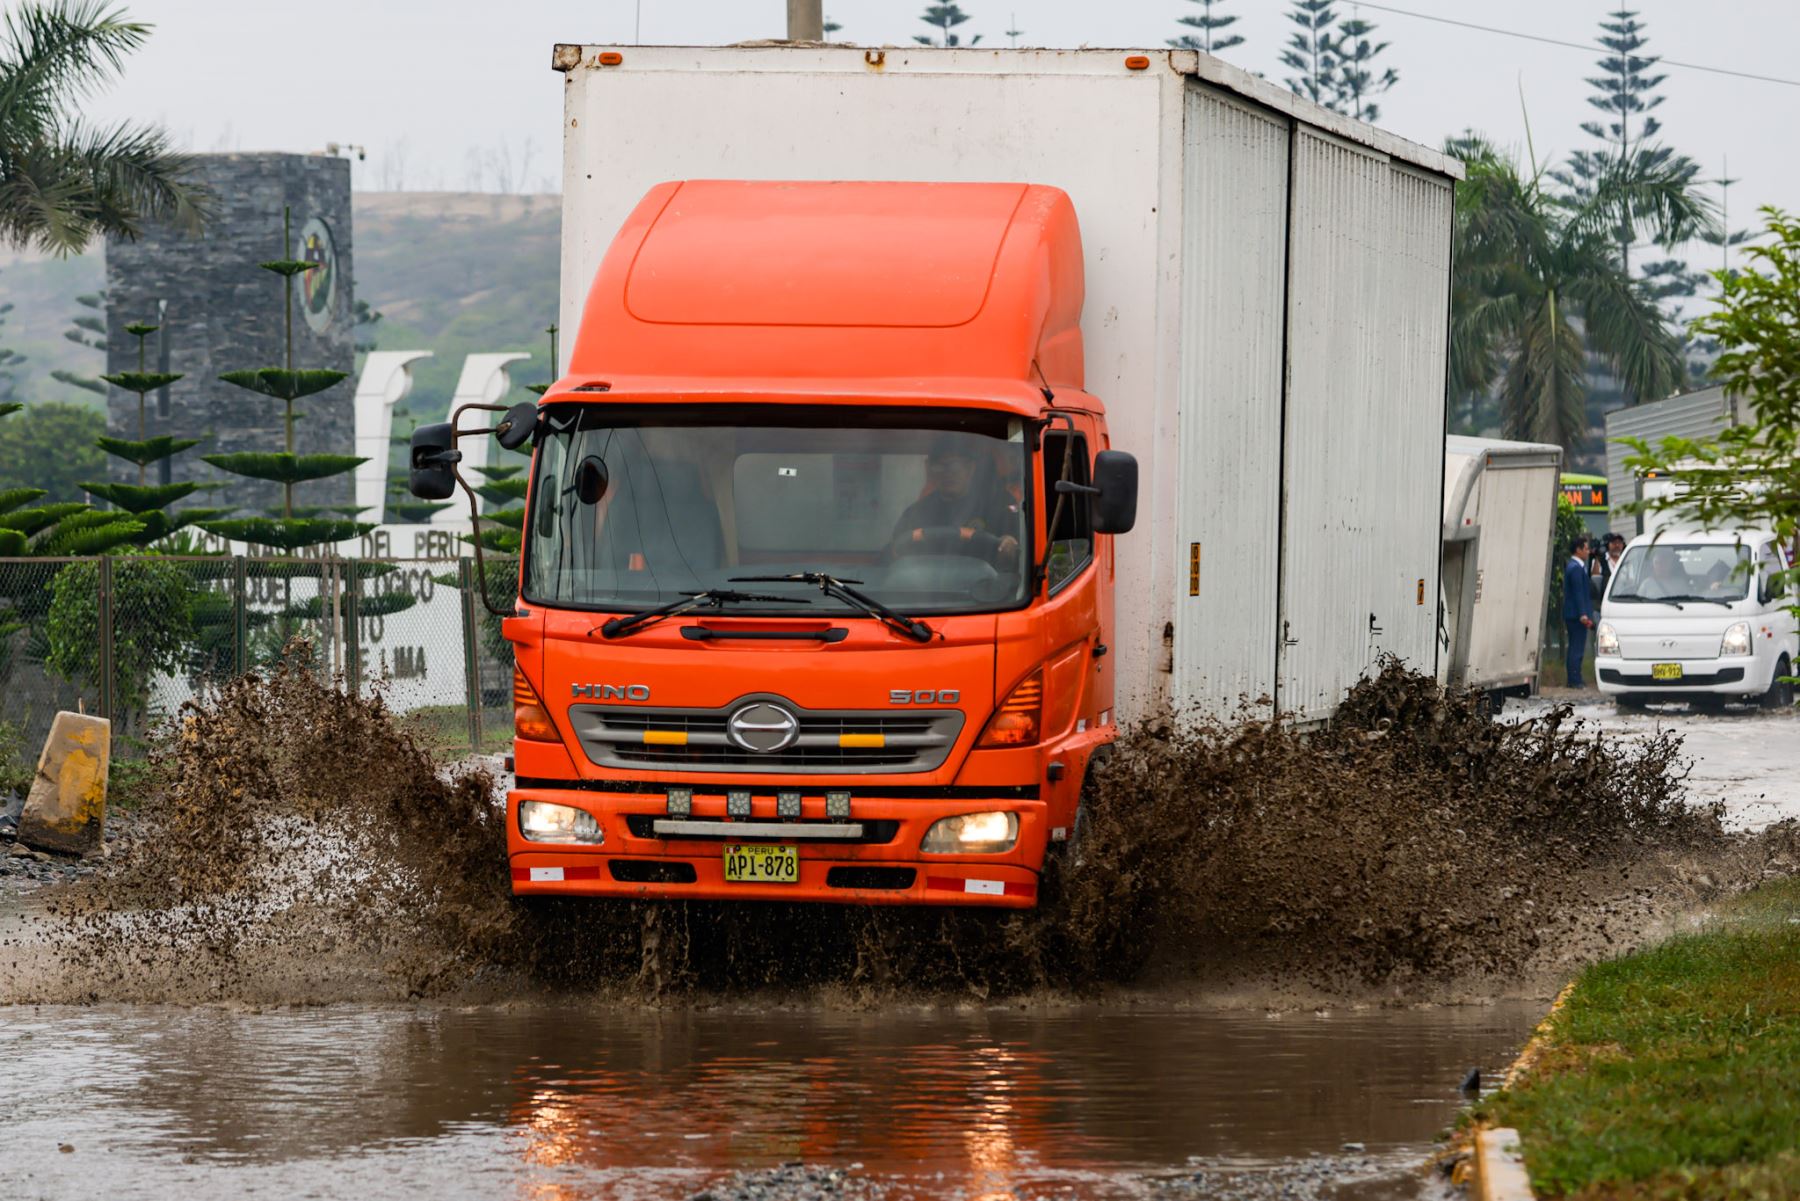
x=829 y=587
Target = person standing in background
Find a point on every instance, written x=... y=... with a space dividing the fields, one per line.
x=1578 y=608
x=1602 y=566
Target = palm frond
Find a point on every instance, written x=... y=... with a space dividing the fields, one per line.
x=1629 y=330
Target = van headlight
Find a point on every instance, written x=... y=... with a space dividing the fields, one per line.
x=972 y=834
x=1736 y=640
x=540 y=821
x=1606 y=640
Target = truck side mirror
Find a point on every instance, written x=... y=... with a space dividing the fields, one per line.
x=1116 y=481
x=431 y=474
x=518 y=426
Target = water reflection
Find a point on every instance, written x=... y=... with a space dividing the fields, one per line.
x=561 y=1103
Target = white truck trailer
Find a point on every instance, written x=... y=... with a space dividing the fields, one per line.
x=1499 y=518
x=1267 y=290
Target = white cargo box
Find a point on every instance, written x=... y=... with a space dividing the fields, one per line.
x=1499 y=518
x=1266 y=312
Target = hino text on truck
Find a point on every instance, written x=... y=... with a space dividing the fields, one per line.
x=930 y=413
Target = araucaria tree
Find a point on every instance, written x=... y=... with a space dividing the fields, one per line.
x=1626 y=93
x=1534 y=269
x=1358 y=80
x=63 y=180
x=293 y=528
x=147 y=502
x=1312 y=53
x=1209 y=25
x=944 y=18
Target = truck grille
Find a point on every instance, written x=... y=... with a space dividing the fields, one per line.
x=698 y=739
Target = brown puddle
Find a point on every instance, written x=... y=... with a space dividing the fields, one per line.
x=567 y=1103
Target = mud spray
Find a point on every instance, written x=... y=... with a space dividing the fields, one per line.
x=298 y=844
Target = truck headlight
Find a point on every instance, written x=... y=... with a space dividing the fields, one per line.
x=1736 y=640
x=1606 y=640
x=972 y=834
x=540 y=821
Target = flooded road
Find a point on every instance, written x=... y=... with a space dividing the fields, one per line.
x=561 y=1102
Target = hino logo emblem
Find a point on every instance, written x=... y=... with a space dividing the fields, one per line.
x=763 y=727
x=611 y=692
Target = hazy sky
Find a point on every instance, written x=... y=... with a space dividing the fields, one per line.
x=430 y=87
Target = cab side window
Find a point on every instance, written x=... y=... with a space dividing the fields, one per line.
x=1068 y=516
x=1772 y=585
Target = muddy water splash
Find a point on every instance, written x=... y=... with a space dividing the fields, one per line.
x=298 y=844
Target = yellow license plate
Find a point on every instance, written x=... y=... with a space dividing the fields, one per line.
x=1665 y=671
x=762 y=865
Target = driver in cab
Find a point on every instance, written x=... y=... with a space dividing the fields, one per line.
x=964 y=511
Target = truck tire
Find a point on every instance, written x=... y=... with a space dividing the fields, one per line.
x=1781 y=692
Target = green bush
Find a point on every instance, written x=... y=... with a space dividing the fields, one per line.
x=15 y=769
x=152 y=621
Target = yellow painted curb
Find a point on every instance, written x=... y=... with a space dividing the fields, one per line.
x=1534 y=1046
x=66 y=807
x=1499 y=1172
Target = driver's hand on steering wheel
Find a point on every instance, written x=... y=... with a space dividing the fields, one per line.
x=1009 y=547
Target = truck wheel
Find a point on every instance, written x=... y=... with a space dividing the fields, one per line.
x=1781 y=692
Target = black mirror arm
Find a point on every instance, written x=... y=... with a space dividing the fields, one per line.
x=1070 y=486
x=474 y=499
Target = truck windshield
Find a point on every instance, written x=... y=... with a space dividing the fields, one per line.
x=927 y=510
x=1683 y=572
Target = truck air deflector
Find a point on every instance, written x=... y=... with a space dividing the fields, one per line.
x=807 y=258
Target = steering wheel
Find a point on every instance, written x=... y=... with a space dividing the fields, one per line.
x=947 y=540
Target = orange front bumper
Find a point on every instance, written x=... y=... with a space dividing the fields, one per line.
x=887 y=872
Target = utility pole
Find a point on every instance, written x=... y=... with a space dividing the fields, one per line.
x=806 y=20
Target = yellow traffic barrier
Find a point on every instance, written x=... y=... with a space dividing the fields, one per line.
x=66 y=808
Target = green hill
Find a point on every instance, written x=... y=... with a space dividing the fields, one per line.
x=458 y=273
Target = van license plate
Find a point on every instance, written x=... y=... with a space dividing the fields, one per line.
x=762 y=865
x=1665 y=671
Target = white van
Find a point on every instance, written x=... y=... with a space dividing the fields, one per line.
x=1698 y=616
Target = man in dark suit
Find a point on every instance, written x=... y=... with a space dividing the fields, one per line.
x=1578 y=608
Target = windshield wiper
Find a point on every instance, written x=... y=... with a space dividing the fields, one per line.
x=840 y=589
x=618 y=627
x=1704 y=600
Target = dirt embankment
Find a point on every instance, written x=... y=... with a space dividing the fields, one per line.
x=298 y=845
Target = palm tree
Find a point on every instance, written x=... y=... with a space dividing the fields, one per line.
x=1536 y=267
x=63 y=180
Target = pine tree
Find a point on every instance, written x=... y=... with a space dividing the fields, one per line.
x=1358 y=80
x=1312 y=51
x=294 y=528
x=87 y=330
x=1629 y=156
x=1211 y=25
x=9 y=364
x=944 y=18
x=148 y=502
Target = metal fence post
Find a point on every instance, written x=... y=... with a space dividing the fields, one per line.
x=240 y=620
x=471 y=640
x=104 y=603
x=353 y=626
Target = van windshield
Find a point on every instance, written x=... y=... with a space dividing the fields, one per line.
x=1683 y=572
x=926 y=510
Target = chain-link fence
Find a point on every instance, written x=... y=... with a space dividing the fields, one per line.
x=131 y=637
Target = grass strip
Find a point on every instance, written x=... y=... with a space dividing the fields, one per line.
x=1674 y=1073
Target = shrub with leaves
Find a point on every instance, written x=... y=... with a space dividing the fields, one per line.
x=152 y=624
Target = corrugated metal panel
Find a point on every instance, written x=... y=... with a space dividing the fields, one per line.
x=1368 y=291
x=1234 y=231
x=1699 y=415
